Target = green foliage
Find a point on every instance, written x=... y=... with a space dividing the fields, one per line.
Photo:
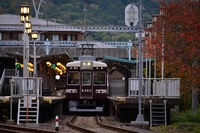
x=185 y=117
x=113 y=36
x=103 y=12
x=71 y=12
x=181 y=122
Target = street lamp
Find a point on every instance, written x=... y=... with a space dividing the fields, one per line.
x=24 y=13
x=34 y=36
x=24 y=16
x=28 y=29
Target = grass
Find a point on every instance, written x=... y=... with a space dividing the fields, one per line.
x=181 y=122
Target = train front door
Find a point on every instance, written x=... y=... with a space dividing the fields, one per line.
x=86 y=90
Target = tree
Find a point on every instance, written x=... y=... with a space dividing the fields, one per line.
x=178 y=28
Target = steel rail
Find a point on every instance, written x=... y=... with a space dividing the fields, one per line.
x=16 y=129
x=72 y=120
x=100 y=123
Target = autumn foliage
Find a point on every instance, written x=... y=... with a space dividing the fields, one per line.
x=176 y=31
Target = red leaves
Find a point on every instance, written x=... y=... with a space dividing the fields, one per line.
x=177 y=33
x=181 y=34
x=185 y=13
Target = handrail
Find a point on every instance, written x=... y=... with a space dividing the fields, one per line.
x=65 y=28
x=159 y=87
x=31 y=86
x=2 y=80
x=67 y=43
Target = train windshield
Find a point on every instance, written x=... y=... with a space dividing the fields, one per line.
x=73 y=78
x=86 y=78
x=99 y=78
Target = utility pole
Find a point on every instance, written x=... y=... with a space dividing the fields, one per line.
x=133 y=17
x=140 y=26
x=37 y=11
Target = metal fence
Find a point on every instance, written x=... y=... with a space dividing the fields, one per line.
x=26 y=86
x=161 y=87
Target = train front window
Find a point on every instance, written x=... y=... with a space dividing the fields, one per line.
x=86 y=78
x=73 y=78
x=99 y=78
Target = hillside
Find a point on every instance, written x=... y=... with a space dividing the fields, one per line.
x=84 y=12
x=71 y=12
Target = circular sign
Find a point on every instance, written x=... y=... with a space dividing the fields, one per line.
x=57 y=77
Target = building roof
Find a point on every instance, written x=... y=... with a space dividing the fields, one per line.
x=10 y=19
x=121 y=65
x=126 y=61
x=64 y=58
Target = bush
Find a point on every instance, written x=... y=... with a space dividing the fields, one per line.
x=187 y=116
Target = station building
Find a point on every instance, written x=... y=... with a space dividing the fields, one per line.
x=61 y=43
x=56 y=43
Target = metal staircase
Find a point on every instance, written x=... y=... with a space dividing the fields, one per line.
x=28 y=110
x=158 y=113
x=29 y=89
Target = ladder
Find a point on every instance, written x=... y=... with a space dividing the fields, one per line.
x=158 y=113
x=28 y=110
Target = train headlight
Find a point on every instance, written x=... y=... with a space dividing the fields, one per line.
x=89 y=63
x=86 y=64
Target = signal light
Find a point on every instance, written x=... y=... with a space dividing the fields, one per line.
x=48 y=64
x=30 y=64
x=58 y=67
x=53 y=66
x=61 y=66
x=31 y=69
x=18 y=65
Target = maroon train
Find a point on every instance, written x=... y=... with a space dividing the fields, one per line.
x=87 y=85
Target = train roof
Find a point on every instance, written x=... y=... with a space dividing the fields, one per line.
x=86 y=57
x=78 y=63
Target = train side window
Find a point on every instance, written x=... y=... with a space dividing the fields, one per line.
x=99 y=78
x=73 y=78
x=86 y=78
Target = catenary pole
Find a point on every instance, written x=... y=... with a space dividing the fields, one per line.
x=140 y=26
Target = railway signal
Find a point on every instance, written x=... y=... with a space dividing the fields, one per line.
x=131 y=15
x=53 y=66
x=18 y=65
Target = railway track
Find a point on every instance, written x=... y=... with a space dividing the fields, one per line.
x=16 y=129
x=75 y=124
x=94 y=125
x=99 y=122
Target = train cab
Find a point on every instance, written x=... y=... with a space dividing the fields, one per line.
x=86 y=82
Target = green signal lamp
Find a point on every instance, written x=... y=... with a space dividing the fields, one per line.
x=18 y=65
x=53 y=66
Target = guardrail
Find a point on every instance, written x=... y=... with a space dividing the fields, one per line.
x=159 y=87
x=27 y=86
x=92 y=28
x=66 y=43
